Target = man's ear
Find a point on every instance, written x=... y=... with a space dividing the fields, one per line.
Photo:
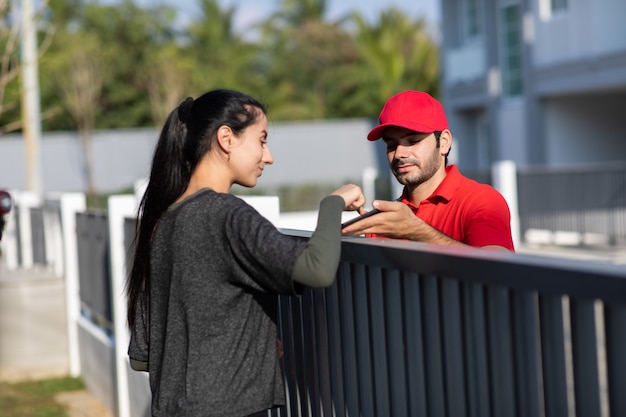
x=225 y=138
x=445 y=141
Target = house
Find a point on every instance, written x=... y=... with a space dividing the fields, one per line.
x=538 y=82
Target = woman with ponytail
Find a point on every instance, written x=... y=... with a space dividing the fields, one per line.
x=207 y=267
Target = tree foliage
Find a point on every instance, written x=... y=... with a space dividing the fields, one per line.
x=11 y=35
x=398 y=55
x=78 y=82
x=128 y=65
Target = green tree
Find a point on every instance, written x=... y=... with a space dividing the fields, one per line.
x=11 y=32
x=128 y=35
x=397 y=54
x=9 y=68
x=167 y=82
x=222 y=57
x=79 y=80
x=62 y=13
x=306 y=62
x=302 y=66
x=299 y=12
x=133 y=32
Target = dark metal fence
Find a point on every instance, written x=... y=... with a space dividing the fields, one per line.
x=130 y=225
x=411 y=329
x=417 y=330
x=37 y=235
x=94 y=267
x=585 y=200
x=18 y=235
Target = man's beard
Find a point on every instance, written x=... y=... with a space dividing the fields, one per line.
x=425 y=172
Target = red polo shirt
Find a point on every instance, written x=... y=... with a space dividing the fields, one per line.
x=467 y=211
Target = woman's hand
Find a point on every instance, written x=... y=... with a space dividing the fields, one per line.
x=352 y=195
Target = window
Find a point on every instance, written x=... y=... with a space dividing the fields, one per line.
x=472 y=19
x=557 y=6
x=551 y=8
x=511 y=50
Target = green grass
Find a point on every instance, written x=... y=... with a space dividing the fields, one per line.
x=36 y=398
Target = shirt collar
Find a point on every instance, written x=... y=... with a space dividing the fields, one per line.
x=445 y=191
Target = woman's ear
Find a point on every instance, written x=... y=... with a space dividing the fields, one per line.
x=225 y=138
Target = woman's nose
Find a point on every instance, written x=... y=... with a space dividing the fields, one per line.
x=267 y=157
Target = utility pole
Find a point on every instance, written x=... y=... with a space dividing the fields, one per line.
x=31 y=111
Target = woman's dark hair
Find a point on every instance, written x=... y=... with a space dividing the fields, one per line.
x=188 y=134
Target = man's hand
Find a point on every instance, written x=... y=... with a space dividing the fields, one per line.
x=393 y=217
x=397 y=221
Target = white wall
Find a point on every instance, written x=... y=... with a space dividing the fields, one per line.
x=586 y=129
x=332 y=151
x=511 y=140
x=467 y=63
x=328 y=151
x=120 y=157
x=587 y=29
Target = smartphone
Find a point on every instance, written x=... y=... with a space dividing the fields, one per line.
x=361 y=217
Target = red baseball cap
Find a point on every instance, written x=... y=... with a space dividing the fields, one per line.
x=414 y=110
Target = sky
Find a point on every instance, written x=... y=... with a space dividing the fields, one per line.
x=250 y=11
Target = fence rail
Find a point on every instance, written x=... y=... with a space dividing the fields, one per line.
x=410 y=329
x=92 y=230
x=589 y=201
x=415 y=330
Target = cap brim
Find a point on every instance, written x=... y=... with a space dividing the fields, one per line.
x=377 y=132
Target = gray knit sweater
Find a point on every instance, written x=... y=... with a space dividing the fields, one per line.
x=208 y=334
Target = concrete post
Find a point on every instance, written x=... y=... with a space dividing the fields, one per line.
x=53 y=233
x=31 y=112
x=369 y=184
x=504 y=175
x=72 y=203
x=119 y=208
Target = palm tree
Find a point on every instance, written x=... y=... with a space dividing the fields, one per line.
x=222 y=55
x=80 y=79
x=305 y=62
x=298 y=12
x=398 y=54
x=167 y=80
